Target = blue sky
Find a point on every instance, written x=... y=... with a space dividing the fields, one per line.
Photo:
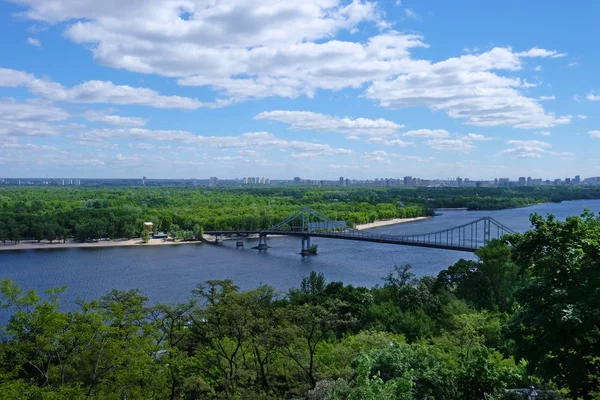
x=317 y=88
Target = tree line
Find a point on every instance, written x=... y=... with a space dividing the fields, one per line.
x=525 y=313
x=43 y=213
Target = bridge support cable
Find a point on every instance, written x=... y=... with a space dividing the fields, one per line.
x=308 y=223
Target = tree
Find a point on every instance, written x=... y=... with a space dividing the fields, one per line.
x=557 y=326
x=198 y=232
x=145 y=236
x=307 y=327
x=174 y=231
x=4 y=235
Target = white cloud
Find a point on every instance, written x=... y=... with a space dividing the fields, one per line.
x=13 y=78
x=594 y=134
x=527 y=148
x=29 y=118
x=97 y=92
x=377 y=156
x=537 y=52
x=389 y=142
x=592 y=96
x=94 y=116
x=475 y=137
x=459 y=145
x=411 y=14
x=466 y=88
x=582 y=116
x=258 y=141
x=538 y=68
x=251 y=49
x=34 y=42
x=427 y=133
x=108 y=93
x=311 y=121
x=543 y=98
x=545 y=133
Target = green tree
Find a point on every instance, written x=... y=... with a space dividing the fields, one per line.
x=557 y=325
x=145 y=236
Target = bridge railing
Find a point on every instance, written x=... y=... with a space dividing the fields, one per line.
x=470 y=235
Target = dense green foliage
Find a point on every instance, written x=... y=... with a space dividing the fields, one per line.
x=526 y=313
x=45 y=213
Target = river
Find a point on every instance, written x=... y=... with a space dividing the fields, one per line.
x=167 y=274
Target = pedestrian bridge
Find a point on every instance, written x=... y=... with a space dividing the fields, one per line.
x=308 y=223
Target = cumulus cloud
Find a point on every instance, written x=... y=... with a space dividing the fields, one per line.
x=427 y=133
x=545 y=133
x=103 y=118
x=191 y=142
x=29 y=118
x=91 y=92
x=13 y=78
x=311 y=121
x=251 y=49
x=411 y=14
x=527 y=148
x=108 y=93
x=377 y=156
x=34 y=42
x=594 y=134
x=582 y=116
x=458 y=145
x=466 y=88
x=544 y=98
x=592 y=96
x=389 y=142
x=475 y=137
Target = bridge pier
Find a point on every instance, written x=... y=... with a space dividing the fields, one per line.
x=306 y=250
x=239 y=241
x=218 y=239
x=262 y=243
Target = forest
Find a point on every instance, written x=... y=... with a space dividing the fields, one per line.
x=525 y=314
x=61 y=213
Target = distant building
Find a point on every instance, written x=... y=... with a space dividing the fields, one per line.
x=297 y=180
x=577 y=180
x=459 y=181
x=408 y=181
x=529 y=181
x=503 y=182
x=522 y=181
x=213 y=181
x=342 y=181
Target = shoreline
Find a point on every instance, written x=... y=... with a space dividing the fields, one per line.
x=388 y=222
x=71 y=244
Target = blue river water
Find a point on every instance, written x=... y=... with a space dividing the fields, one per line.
x=167 y=274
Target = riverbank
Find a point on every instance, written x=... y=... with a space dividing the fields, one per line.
x=387 y=222
x=34 y=245
x=101 y=243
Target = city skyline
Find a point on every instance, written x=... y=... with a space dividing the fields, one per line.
x=342 y=181
x=351 y=88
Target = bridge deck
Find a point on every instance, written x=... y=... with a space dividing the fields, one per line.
x=353 y=236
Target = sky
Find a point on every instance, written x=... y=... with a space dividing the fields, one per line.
x=313 y=88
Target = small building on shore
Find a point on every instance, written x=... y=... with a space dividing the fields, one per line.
x=148 y=226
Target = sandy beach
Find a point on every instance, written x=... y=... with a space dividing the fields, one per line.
x=387 y=222
x=29 y=245
x=34 y=245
